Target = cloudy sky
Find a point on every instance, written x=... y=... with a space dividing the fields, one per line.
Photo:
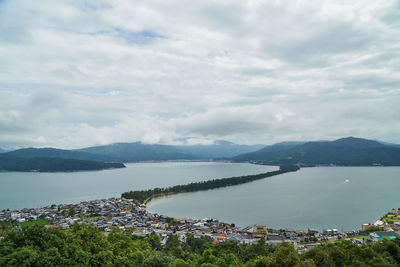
x=77 y=73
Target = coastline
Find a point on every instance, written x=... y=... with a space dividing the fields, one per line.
x=123 y=215
x=381 y=221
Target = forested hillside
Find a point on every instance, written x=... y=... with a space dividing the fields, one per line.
x=346 y=152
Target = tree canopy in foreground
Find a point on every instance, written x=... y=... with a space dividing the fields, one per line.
x=84 y=245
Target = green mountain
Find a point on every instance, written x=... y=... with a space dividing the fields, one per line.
x=59 y=153
x=220 y=149
x=349 y=151
x=135 y=152
x=51 y=164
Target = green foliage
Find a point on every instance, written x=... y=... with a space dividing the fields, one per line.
x=153 y=241
x=173 y=246
x=35 y=222
x=144 y=195
x=345 y=253
x=84 y=245
x=284 y=256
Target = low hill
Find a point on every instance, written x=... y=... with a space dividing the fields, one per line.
x=348 y=151
x=59 y=153
x=220 y=149
x=135 y=152
x=43 y=164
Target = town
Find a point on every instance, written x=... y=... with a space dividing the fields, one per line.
x=121 y=213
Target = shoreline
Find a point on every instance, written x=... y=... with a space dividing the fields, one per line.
x=143 y=206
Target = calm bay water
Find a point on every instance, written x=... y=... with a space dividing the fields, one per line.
x=312 y=197
x=338 y=197
x=20 y=190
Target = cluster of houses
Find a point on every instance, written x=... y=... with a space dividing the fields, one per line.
x=121 y=213
x=389 y=223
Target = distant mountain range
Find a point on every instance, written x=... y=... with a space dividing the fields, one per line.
x=348 y=151
x=135 y=152
x=220 y=149
x=111 y=156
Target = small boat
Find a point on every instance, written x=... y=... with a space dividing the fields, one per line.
x=346 y=181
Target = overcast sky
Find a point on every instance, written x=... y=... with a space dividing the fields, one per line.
x=80 y=73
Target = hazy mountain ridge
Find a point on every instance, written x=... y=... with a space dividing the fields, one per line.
x=220 y=149
x=348 y=151
x=135 y=152
x=387 y=143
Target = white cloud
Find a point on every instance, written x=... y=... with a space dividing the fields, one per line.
x=75 y=74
